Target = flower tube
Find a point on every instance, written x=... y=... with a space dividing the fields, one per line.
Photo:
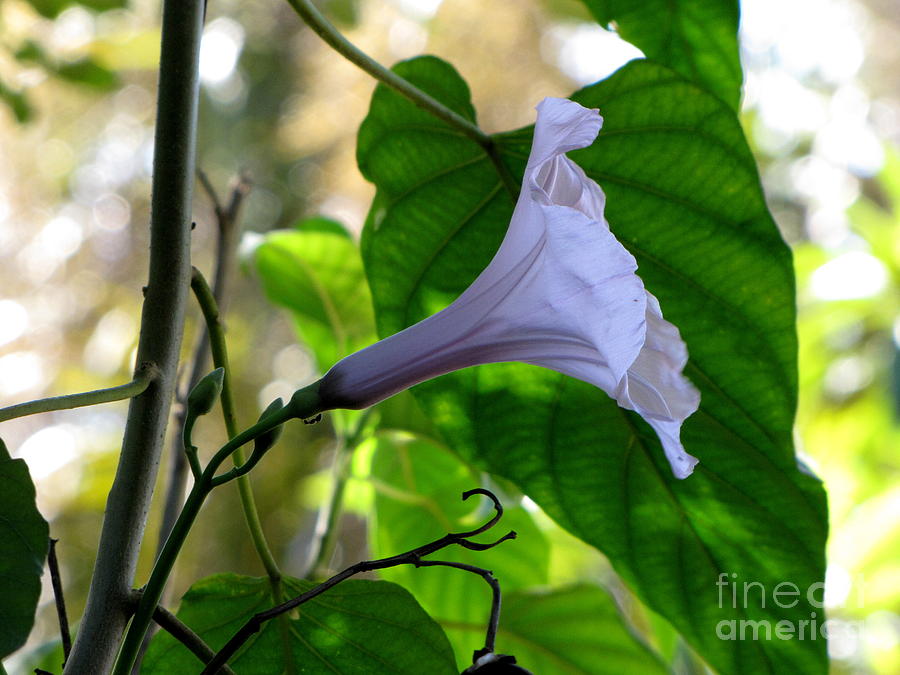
x=561 y=292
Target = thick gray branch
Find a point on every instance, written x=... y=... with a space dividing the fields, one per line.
x=160 y=341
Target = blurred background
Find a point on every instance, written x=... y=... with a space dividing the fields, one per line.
x=77 y=90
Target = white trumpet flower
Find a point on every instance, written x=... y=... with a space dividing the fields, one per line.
x=561 y=293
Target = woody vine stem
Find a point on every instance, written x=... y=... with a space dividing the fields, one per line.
x=162 y=321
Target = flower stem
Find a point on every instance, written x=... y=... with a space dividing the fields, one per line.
x=142 y=379
x=219 y=350
x=327 y=31
x=332 y=36
x=181 y=632
x=305 y=403
x=161 y=570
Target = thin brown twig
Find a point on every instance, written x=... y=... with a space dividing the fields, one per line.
x=56 y=582
x=494 y=622
x=211 y=193
x=413 y=557
x=240 y=188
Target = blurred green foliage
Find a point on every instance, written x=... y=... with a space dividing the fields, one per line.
x=848 y=413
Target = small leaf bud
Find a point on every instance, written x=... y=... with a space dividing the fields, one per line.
x=205 y=393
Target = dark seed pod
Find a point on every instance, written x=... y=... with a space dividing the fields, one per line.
x=496 y=664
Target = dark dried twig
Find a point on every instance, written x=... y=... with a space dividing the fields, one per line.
x=488 y=576
x=413 y=557
x=226 y=215
x=56 y=581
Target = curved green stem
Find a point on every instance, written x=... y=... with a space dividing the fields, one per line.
x=305 y=403
x=142 y=379
x=327 y=31
x=210 y=310
x=161 y=570
x=332 y=36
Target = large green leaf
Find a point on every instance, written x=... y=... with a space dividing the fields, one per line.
x=575 y=630
x=697 y=38
x=357 y=627
x=683 y=196
x=316 y=272
x=24 y=541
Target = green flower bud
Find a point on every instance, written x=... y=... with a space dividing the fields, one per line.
x=265 y=441
x=205 y=393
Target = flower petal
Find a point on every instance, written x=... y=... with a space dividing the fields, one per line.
x=589 y=283
x=561 y=181
x=656 y=388
x=562 y=125
x=561 y=292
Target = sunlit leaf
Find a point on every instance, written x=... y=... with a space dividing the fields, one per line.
x=357 y=627
x=697 y=38
x=317 y=274
x=683 y=196
x=24 y=541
